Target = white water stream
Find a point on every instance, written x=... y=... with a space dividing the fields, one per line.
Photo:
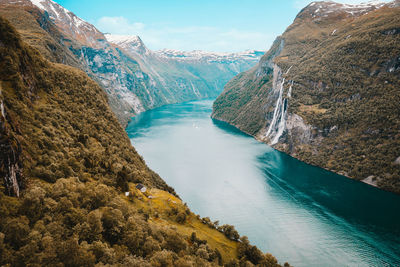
x=278 y=123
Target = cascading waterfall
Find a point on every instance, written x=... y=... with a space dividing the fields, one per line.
x=276 y=110
x=288 y=70
x=289 y=93
x=278 y=123
x=2 y=109
x=2 y=106
x=195 y=90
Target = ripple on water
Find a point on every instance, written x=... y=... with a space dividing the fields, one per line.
x=299 y=213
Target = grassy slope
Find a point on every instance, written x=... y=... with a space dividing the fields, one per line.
x=161 y=205
x=76 y=161
x=340 y=80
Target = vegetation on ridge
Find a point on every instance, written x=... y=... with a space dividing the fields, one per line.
x=345 y=75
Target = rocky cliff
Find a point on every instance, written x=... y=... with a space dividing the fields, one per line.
x=134 y=81
x=327 y=92
x=181 y=76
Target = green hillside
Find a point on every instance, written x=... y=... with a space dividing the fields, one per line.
x=342 y=113
x=67 y=164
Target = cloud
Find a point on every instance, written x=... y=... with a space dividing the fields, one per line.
x=159 y=36
x=120 y=24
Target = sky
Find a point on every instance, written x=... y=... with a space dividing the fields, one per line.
x=210 y=25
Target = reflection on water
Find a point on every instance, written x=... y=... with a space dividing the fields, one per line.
x=299 y=213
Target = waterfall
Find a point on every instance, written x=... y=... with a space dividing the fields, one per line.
x=277 y=109
x=289 y=93
x=278 y=123
x=2 y=106
x=282 y=123
x=195 y=90
x=2 y=109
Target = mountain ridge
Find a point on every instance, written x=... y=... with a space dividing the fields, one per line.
x=135 y=42
x=312 y=95
x=131 y=87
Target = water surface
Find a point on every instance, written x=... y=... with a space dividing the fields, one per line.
x=299 y=213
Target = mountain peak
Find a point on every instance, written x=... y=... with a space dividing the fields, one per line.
x=199 y=55
x=71 y=24
x=130 y=42
x=319 y=9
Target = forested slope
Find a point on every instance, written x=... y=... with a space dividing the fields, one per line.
x=327 y=92
x=66 y=167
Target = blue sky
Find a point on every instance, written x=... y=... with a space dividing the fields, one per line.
x=211 y=25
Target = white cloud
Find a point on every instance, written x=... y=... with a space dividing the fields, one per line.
x=159 y=36
x=120 y=24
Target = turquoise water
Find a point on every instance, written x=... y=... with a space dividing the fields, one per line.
x=299 y=213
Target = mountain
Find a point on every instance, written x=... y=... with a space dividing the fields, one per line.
x=226 y=58
x=69 y=195
x=64 y=38
x=327 y=92
x=127 y=75
x=186 y=75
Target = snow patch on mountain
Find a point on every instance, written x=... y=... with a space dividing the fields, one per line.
x=130 y=42
x=327 y=8
x=134 y=43
x=68 y=21
x=209 y=56
x=38 y=3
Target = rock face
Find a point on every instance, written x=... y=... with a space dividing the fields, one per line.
x=181 y=76
x=327 y=91
x=135 y=78
x=70 y=40
x=10 y=152
x=53 y=117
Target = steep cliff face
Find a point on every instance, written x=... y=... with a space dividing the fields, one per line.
x=10 y=152
x=327 y=91
x=77 y=204
x=41 y=121
x=135 y=80
x=47 y=31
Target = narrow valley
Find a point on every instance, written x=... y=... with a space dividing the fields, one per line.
x=199 y=133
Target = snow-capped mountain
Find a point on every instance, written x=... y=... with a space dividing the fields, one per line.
x=71 y=24
x=128 y=87
x=134 y=77
x=209 y=56
x=135 y=43
x=330 y=9
x=196 y=73
x=132 y=42
x=324 y=93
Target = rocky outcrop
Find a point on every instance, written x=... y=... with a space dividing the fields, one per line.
x=326 y=91
x=182 y=76
x=10 y=153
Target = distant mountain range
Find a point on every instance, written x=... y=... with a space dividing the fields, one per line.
x=134 y=77
x=133 y=43
x=327 y=91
